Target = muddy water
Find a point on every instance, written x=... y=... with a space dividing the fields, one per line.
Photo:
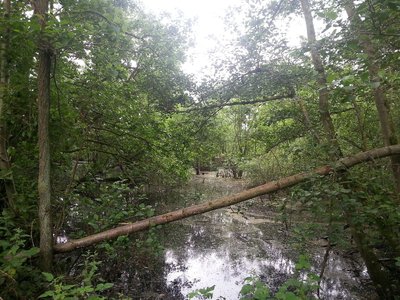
x=224 y=247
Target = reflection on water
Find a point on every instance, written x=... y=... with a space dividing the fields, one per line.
x=224 y=247
x=223 y=261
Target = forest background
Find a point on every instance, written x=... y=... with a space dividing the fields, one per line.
x=96 y=112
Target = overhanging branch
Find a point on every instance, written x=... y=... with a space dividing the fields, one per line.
x=220 y=105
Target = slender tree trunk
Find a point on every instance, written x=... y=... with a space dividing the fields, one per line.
x=382 y=105
x=378 y=275
x=5 y=166
x=44 y=65
x=197 y=168
x=360 y=124
x=269 y=187
x=326 y=120
x=307 y=120
x=382 y=279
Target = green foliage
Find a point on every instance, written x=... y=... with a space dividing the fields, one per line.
x=204 y=293
x=296 y=288
x=254 y=289
x=151 y=243
x=116 y=82
x=18 y=275
x=397 y=261
x=293 y=289
x=109 y=204
x=89 y=288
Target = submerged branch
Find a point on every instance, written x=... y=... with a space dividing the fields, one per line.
x=266 y=188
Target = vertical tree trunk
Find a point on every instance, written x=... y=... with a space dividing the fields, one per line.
x=377 y=274
x=4 y=81
x=382 y=105
x=197 y=168
x=360 y=124
x=326 y=120
x=307 y=120
x=382 y=279
x=44 y=65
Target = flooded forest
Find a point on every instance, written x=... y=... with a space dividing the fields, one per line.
x=222 y=150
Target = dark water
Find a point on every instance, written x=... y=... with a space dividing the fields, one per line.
x=224 y=247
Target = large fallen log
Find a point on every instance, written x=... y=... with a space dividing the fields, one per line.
x=266 y=188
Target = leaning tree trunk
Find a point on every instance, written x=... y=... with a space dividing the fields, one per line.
x=323 y=96
x=44 y=65
x=5 y=167
x=382 y=105
x=269 y=187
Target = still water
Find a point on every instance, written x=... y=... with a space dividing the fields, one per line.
x=225 y=246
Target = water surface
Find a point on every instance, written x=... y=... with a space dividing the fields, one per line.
x=225 y=246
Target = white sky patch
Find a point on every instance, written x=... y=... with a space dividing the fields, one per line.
x=209 y=29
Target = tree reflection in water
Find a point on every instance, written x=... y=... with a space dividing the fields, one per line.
x=224 y=247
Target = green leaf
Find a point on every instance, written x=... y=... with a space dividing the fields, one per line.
x=261 y=293
x=290 y=296
x=95 y=297
x=330 y=77
x=331 y=15
x=303 y=263
x=6 y=174
x=103 y=286
x=85 y=289
x=48 y=276
x=349 y=87
x=364 y=77
x=47 y=294
x=397 y=263
x=246 y=289
x=375 y=84
x=31 y=252
x=68 y=287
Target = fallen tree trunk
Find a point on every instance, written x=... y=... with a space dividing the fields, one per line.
x=266 y=188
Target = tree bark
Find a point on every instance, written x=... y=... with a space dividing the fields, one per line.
x=360 y=124
x=323 y=96
x=379 y=276
x=5 y=165
x=307 y=120
x=382 y=105
x=269 y=187
x=44 y=66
